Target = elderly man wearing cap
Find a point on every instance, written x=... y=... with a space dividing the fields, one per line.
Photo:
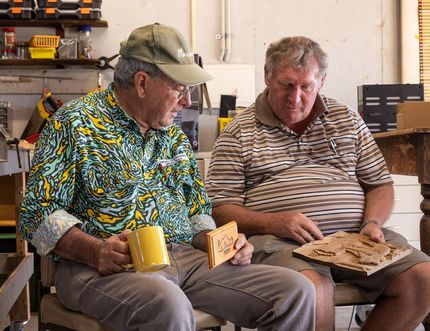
x=111 y=162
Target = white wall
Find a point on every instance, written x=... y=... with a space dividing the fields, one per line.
x=409 y=42
x=361 y=37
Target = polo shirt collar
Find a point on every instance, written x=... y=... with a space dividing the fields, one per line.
x=264 y=113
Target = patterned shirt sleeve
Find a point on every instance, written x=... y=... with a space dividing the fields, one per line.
x=43 y=218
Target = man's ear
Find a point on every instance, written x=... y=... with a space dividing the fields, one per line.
x=266 y=76
x=322 y=80
x=140 y=83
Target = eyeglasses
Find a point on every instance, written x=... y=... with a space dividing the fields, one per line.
x=185 y=91
x=182 y=92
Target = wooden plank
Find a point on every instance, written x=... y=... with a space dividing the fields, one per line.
x=351 y=251
x=6 y=193
x=221 y=243
x=400 y=152
x=401 y=132
x=7 y=211
x=14 y=285
x=423 y=159
x=7 y=223
x=61 y=23
x=59 y=63
x=3 y=263
x=21 y=244
x=21 y=309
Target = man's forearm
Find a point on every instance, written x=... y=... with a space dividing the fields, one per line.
x=249 y=222
x=379 y=203
x=200 y=241
x=76 y=245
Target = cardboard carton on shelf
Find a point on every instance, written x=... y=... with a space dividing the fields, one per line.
x=413 y=114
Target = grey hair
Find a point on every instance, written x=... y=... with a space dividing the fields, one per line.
x=125 y=70
x=295 y=52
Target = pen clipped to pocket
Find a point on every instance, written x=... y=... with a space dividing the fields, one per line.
x=333 y=145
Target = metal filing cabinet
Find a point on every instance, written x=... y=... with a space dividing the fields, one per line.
x=377 y=103
x=406 y=213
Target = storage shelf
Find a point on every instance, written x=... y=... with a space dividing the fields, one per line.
x=6 y=223
x=59 y=63
x=13 y=165
x=59 y=24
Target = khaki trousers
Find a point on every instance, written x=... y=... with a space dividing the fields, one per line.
x=253 y=296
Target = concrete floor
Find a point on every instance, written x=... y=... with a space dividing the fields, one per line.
x=343 y=315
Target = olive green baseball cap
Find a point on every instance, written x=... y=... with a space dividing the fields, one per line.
x=165 y=47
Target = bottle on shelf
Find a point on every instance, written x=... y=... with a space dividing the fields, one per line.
x=22 y=50
x=84 y=42
x=9 y=44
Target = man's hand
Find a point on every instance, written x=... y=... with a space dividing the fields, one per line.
x=244 y=253
x=374 y=232
x=296 y=226
x=109 y=255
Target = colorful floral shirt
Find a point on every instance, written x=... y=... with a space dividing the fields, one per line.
x=93 y=168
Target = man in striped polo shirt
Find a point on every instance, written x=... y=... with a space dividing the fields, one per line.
x=296 y=166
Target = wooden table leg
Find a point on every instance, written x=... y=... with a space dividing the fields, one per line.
x=425 y=232
x=425 y=219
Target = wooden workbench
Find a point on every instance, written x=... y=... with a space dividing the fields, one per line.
x=407 y=152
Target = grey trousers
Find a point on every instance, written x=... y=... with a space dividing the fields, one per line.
x=276 y=251
x=253 y=296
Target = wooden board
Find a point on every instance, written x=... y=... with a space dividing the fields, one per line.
x=221 y=243
x=351 y=251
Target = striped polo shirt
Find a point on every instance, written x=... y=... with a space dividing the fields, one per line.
x=259 y=163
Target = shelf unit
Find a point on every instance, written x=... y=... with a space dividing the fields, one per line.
x=59 y=63
x=59 y=26
x=14 y=293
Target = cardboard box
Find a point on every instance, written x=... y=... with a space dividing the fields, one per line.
x=413 y=114
x=377 y=103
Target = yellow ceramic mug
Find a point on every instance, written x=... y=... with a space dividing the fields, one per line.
x=148 y=249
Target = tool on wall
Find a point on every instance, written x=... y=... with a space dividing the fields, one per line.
x=104 y=62
x=5 y=141
x=11 y=78
x=203 y=88
x=40 y=116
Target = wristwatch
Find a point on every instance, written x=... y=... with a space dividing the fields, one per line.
x=369 y=222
